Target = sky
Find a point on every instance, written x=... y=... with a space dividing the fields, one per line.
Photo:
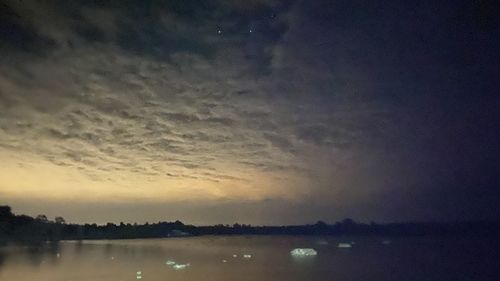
x=261 y=112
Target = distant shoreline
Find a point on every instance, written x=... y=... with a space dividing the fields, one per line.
x=26 y=229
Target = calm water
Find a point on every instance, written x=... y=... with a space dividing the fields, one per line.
x=414 y=259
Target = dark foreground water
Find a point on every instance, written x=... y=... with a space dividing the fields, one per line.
x=222 y=258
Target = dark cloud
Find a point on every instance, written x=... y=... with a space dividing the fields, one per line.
x=307 y=103
x=17 y=33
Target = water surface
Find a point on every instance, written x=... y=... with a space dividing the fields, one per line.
x=221 y=258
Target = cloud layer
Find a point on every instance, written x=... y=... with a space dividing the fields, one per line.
x=218 y=105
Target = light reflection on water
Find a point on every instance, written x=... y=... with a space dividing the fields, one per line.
x=267 y=258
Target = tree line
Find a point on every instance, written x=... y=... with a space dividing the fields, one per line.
x=26 y=229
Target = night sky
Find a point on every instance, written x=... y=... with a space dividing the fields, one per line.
x=262 y=112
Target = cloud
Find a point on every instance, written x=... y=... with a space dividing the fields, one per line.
x=121 y=97
x=176 y=102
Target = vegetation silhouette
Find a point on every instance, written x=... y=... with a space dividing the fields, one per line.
x=26 y=229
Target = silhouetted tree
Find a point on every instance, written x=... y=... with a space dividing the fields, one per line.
x=5 y=212
x=22 y=228
x=42 y=218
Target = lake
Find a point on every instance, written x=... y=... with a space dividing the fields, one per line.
x=257 y=258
